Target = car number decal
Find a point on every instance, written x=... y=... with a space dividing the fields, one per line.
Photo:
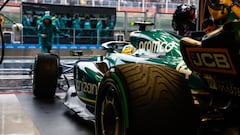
x=182 y=68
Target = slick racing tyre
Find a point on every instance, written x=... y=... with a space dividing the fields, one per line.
x=144 y=99
x=46 y=72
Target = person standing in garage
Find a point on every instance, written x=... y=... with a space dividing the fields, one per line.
x=184 y=19
x=46 y=31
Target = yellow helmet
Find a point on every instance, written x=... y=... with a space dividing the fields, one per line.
x=128 y=49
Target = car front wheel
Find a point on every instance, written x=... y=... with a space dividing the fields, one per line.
x=46 y=72
x=144 y=99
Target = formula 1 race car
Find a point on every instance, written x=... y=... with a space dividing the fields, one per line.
x=215 y=60
x=138 y=87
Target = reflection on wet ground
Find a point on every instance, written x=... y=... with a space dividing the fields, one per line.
x=17 y=75
x=22 y=114
x=14 y=120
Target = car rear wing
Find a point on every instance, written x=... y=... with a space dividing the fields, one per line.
x=142 y=25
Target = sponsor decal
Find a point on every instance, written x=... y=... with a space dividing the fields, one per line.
x=152 y=46
x=157 y=46
x=86 y=87
x=210 y=60
x=230 y=89
x=222 y=85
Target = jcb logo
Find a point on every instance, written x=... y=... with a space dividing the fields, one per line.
x=210 y=60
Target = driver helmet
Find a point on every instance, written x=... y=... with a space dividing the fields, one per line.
x=187 y=7
x=128 y=49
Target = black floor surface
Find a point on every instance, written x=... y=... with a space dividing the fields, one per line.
x=51 y=117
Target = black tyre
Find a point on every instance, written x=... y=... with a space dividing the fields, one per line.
x=144 y=99
x=46 y=72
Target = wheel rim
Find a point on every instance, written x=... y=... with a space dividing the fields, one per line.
x=112 y=122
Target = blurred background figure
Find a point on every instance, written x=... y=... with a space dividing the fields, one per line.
x=56 y=22
x=26 y=20
x=46 y=31
x=184 y=19
x=87 y=26
x=77 y=26
x=108 y=31
x=99 y=27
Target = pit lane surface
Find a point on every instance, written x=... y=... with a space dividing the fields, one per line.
x=24 y=114
x=53 y=118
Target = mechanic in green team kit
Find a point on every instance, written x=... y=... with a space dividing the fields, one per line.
x=46 y=31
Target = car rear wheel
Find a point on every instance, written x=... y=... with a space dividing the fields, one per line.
x=46 y=72
x=144 y=99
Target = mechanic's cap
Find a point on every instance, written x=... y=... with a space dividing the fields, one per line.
x=128 y=49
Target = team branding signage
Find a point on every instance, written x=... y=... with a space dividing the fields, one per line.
x=90 y=88
x=58 y=46
x=228 y=85
x=152 y=46
x=210 y=60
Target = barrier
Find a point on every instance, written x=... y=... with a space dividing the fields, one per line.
x=56 y=46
